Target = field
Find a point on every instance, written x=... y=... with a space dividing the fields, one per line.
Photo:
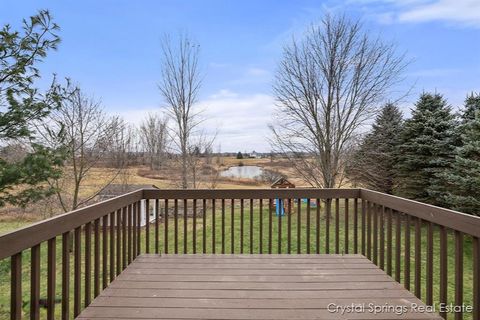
x=260 y=225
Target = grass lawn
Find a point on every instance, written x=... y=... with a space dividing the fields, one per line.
x=226 y=221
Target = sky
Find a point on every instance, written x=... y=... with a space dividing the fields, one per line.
x=112 y=50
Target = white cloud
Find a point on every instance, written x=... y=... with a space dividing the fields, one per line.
x=458 y=12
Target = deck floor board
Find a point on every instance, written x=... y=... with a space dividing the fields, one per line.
x=252 y=287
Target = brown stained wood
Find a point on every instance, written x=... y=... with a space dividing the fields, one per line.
x=124 y=237
x=105 y=252
x=375 y=209
x=112 y=246
x=77 y=275
x=16 y=287
x=443 y=267
x=185 y=226
x=129 y=233
x=363 y=213
x=139 y=228
x=308 y=226
x=35 y=282
x=232 y=227
x=213 y=226
x=317 y=227
x=251 y=226
x=476 y=278
x=369 y=230
x=96 y=258
x=165 y=217
x=406 y=272
x=337 y=225
x=429 y=271
x=223 y=225
x=299 y=225
x=65 y=275
x=328 y=213
x=382 y=237
x=118 y=248
x=289 y=226
x=175 y=225
x=355 y=225
x=389 y=241
x=157 y=224
x=346 y=231
x=134 y=231
x=398 y=241
x=418 y=258
x=204 y=226
x=242 y=214
x=260 y=229
x=270 y=225
x=88 y=263
x=147 y=226
x=458 y=272
x=51 y=278
x=194 y=231
x=243 y=292
x=279 y=230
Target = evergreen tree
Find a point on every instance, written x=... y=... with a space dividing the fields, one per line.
x=239 y=155
x=21 y=105
x=372 y=165
x=426 y=150
x=464 y=177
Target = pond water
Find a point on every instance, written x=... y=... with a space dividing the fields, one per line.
x=248 y=172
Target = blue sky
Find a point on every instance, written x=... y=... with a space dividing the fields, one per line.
x=112 y=49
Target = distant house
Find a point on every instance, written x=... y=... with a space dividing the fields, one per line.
x=254 y=155
x=115 y=190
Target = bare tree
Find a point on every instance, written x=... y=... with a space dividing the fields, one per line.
x=327 y=86
x=180 y=84
x=153 y=134
x=91 y=138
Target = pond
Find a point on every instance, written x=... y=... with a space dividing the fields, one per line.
x=246 y=172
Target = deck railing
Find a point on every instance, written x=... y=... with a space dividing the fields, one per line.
x=411 y=241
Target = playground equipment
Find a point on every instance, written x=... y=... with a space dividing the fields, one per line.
x=280 y=203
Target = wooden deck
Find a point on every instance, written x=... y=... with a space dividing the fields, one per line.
x=252 y=287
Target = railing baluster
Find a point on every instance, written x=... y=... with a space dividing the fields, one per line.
x=165 y=221
x=147 y=226
x=347 y=239
x=337 y=226
x=382 y=236
x=175 y=223
x=375 y=233
x=124 y=237
x=251 y=226
x=458 y=273
x=88 y=262
x=369 y=231
x=279 y=233
x=241 y=224
x=328 y=212
x=317 y=227
x=443 y=268
x=118 y=228
x=66 y=275
x=35 y=282
x=418 y=258
x=232 y=240
x=77 y=257
x=204 y=227
x=398 y=241
x=363 y=213
x=104 y=251
x=134 y=231
x=299 y=226
x=429 y=271
x=270 y=225
x=96 y=258
x=51 y=278
x=289 y=226
x=194 y=231
x=157 y=222
x=223 y=226
x=260 y=240
x=476 y=278
x=185 y=226
x=389 y=241
x=16 y=287
x=112 y=246
x=355 y=225
x=213 y=226
x=406 y=279
x=139 y=228
x=308 y=225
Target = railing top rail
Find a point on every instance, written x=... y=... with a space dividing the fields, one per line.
x=294 y=193
x=452 y=219
x=29 y=236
